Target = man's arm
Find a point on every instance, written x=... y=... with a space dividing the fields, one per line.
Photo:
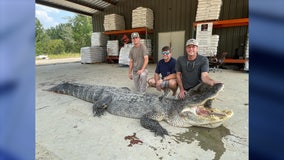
x=181 y=89
x=130 y=68
x=206 y=79
x=146 y=60
x=179 y=81
x=156 y=77
x=171 y=76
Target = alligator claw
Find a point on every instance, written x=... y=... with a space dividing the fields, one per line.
x=98 y=111
x=160 y=131
x=153 y=126
x=100 y=106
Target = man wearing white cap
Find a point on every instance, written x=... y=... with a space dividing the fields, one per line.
x=192 y=68
x=138 y=56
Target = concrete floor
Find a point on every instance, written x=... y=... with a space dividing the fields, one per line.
x=66 y=129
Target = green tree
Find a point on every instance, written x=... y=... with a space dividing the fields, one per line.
x=52 y=33
x=65 y=33
x=56 y=46
x=41 y=39
x=68 y=37
x=82 y=31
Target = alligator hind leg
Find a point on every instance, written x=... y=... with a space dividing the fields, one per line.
x=101 y=105
x=153 y=126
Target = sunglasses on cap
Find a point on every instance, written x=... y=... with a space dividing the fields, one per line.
x=166 y=52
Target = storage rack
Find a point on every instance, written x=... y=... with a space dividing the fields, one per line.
x=228 y=23
x=142 y=30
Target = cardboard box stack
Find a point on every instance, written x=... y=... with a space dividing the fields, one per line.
x=114 y=22
x=142 y=17
x=246 y=68
x=98 y=39
x=124 y=54
x=208 y=10
x=92 y=54
x=214 y=44
x=148 y=44
x=112 y=47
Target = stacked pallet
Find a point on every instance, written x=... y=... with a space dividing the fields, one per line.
x=98 y=39
x=246 y=68
x=247 y=48
x=208 y=10
x=148 y=44
x=112 y=47
x=209 y=46
x=114 y=22
x=92 y=54
x=124 y=54
x=214 y=44
x=142 y=17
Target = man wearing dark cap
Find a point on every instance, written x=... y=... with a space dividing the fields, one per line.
x=165 y=67
x=192 y=69
x=138 y=56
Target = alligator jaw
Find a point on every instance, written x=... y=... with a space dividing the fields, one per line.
x=202 y=111
x=205 y=117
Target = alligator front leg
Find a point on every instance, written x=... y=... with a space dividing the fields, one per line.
x=153 y=125
x=101 y=105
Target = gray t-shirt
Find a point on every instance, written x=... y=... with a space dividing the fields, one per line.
x=191 y=70
x=137 y=54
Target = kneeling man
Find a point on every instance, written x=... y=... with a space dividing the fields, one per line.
x=165 y=67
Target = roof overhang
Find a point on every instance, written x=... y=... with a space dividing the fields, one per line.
x=85 y=7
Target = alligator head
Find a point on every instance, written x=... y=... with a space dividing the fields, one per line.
x=197 y=111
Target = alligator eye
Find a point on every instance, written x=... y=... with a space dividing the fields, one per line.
x=182 y=115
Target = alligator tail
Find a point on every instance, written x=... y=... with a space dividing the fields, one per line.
x=88 y=93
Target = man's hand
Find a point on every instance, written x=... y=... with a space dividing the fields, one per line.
x=140 y=71
x=130 y=76
x=182 y=94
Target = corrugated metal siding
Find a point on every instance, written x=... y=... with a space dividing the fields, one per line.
x=177 y=15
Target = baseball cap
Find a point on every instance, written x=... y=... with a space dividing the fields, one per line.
x=192 y=42
x=135 y=34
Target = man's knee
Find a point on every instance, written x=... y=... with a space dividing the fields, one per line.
x=172 y=83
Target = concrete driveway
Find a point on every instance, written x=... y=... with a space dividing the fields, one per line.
x=66 y=129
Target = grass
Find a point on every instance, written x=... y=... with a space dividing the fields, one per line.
x=64 y=55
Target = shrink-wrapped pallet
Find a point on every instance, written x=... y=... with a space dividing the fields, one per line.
x=92 y=54
x=142 y=17
x=98 y=39
x=112 y=47
x=124 y=54
x=246 y=68
x=208 y=10
x=148 y=44
x=214 y=44
x=114 y=22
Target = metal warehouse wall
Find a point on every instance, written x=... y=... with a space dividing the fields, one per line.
x=177 y=15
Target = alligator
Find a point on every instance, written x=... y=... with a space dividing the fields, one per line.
x=194 y=110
